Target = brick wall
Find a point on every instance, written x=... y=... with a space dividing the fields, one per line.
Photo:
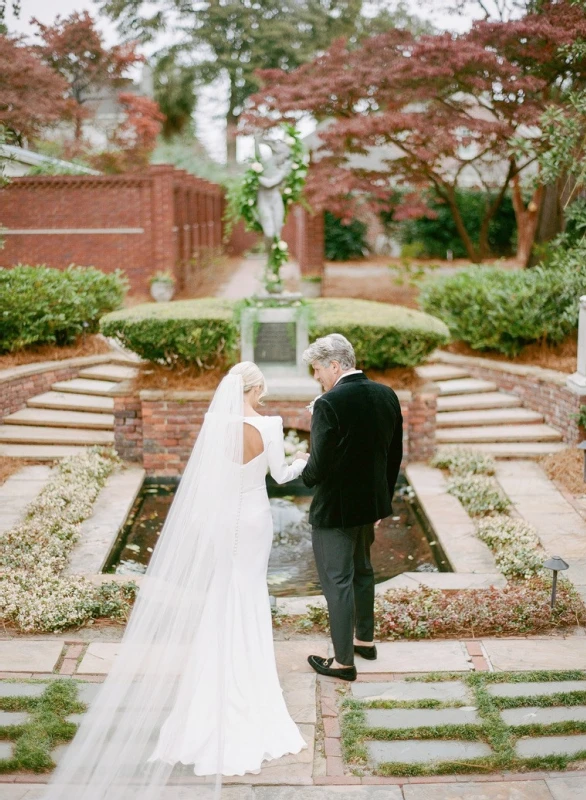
x=541 y=390
x=18 y=384
x=164 y=426
x=139 y=222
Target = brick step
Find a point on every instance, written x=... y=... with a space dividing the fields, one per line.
x=29 y=434
x=68 y=401
x=86 y=386
x=477 y=401
x=109 y=372
x=58 y=418
x=516 y=450
x=440 y=372
x=498 y=433
x=39 y=452
x=490 y=416
x=465 y=386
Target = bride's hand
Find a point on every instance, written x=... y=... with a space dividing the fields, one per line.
x=303 y=456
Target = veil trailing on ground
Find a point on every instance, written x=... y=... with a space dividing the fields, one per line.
x=120 y=750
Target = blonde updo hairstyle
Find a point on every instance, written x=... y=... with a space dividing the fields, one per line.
x=251 y=377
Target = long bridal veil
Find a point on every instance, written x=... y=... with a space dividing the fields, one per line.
x=162 y=656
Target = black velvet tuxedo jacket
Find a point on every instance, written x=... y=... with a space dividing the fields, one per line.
x=356 y=450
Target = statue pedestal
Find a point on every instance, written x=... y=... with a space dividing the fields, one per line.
x=577 y=381
x=274 y=335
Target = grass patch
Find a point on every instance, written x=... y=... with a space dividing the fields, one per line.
x=492 y=729
x=44 y=730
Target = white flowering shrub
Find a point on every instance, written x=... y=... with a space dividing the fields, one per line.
x=463 y=461
x=293 y=444
x=479 y=494
x=515 y=545
x=33 y=594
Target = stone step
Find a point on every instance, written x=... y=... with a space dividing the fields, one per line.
x=440 y=372
x=517 y=450
x=490 y=416
x=39 y=452
x=68 y=401
x=58 y=418
x=86 y=386
x=109 y=372
x=29 y=434
x=498 y=433
x=465 y=386
x=477 y=401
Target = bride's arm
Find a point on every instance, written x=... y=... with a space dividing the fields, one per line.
x=275 y=447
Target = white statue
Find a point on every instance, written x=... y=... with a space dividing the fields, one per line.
x=270 y=205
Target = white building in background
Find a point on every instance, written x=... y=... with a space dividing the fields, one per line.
x=18 y=161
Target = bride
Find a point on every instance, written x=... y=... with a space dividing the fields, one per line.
x=195 y=681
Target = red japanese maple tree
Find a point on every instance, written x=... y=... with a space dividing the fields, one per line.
x=74 y=48
x=430 y=112
x=133 y=141
x=32 y=96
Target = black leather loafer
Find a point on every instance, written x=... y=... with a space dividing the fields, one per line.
x=324 y=667
x=369 y=653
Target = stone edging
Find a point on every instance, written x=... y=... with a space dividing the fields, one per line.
x=24 y=370
x=525 y=370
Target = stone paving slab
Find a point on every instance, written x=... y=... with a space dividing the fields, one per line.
x=291 y=769
x=18 y=491
x=534 y=715
x=22 y=655
x=396 y=718
x=445 y=656
x=418 y=751
x=13 y=718
x=550 y=745
x=513 y=790
x=523 y=655
x=6 y=750
x=326 y=793
x=412 y=690
x=87 y=692
x=37 y=791
x=537 y=689
x=567 y=787
x=21 y=689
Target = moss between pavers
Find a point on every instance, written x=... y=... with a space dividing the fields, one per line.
x=493 y=730
x=45 y=729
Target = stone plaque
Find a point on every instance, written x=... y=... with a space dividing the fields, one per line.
x=275 y=343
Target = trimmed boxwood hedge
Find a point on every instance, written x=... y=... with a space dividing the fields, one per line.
x=383 y=335
x=43 y=305
x=199 y=331
x=205 y=331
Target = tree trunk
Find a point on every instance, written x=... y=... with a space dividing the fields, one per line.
x=527 y=219
x=490 y=213
x=450 y=197
x=231 y=131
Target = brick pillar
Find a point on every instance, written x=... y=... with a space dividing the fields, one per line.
x=421 y=424
x=163 y=217
x=128 y=427
x=310 y=242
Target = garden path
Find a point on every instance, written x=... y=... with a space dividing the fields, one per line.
x=405 y=720
x=247 y=280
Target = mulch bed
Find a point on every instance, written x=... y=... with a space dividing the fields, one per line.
x=93 y=345
x=567 y=469
x=561 y=357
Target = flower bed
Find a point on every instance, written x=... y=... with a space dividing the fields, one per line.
x=34 y=596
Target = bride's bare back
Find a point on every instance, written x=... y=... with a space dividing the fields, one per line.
x=253 y=444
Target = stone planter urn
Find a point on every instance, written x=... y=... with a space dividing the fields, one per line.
x=162 y=287
x=311 y=286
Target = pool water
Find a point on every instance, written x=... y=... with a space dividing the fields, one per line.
x=401 y=543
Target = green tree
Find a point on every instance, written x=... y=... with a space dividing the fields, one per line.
x=237 y=37
x=175 y=93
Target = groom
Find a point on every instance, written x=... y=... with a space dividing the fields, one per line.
x=356 y=450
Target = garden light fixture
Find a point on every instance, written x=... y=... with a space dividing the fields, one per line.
x=556 y=564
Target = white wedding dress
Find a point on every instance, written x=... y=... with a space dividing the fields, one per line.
x=257 y=726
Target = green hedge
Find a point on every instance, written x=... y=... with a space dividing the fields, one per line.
x=383 y=335
x=206 y=331
x=344 y=242
x=496 y=309
x=41 y=305
x=188 y=331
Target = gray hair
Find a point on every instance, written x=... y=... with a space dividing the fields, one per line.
x=333 y=347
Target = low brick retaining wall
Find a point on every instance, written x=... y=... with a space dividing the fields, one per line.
x=541 y=390
x=18 y=384
x=159 y=428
